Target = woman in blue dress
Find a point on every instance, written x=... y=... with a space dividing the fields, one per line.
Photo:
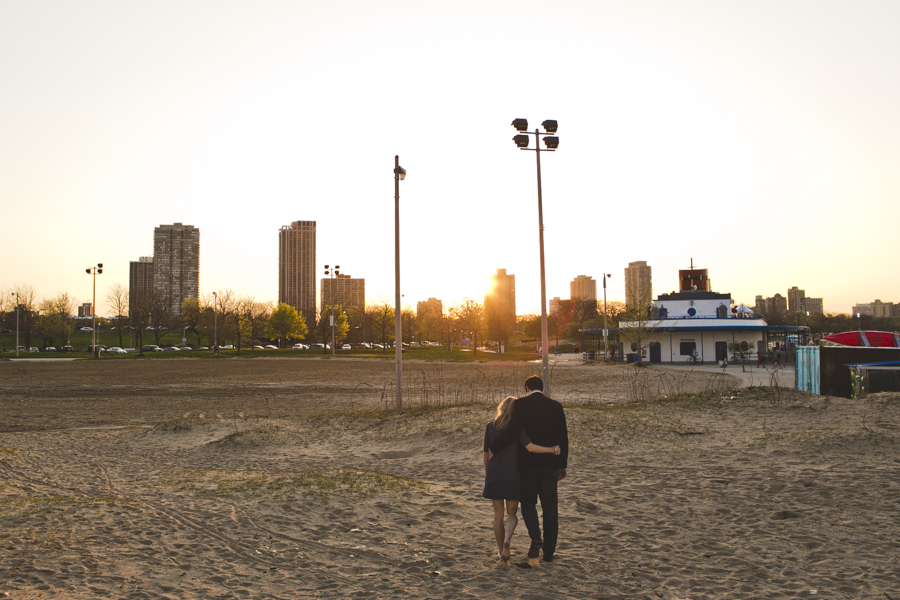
x=501 y=476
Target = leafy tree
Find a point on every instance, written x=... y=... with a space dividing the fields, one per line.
x=286 y=324
x=56 y=321
x=341 y=326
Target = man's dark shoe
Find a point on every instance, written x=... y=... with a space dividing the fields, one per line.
x=535 y=550
x=548 y=557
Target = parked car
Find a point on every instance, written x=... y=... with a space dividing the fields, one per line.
x=171 y=349
x=301 y=347
x=49 y=349
x=86 y=330
x=258 y=348
x=271 y=347
x=226 y=347
x=32 y=349
x=318 y=346
x=116 y=350
x=67 y=349
x=151 y=348
x=346 y=347
x=203 y=348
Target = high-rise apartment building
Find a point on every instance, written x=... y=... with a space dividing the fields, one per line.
x=583 y=288
x=85 y=310
x=431 y=308
x=795 y=298
x=554 y=305
x=297 y=268
x=876 y=309
x=176 y=265
x=775 y=306
x=638 y=284
x=140 y=283
x=348 y=292
x=500 y=301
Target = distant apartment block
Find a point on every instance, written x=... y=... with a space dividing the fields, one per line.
x=583 y=288
x=431 y=308
x=501 y=297
x=638 y=283
x=797 y=301
x=176 y=264
x=140 y=282
x=877 y=309
x=554 y=306
x=771 y=307
x=85 y=310
x=297 y=267
x=348 y=292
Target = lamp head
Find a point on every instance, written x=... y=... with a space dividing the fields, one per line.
x=550 y=125
x=520 y=124
x=552 y=142
x=99 y=271
x=401 y=172
x=88 y=271
x=521 y=140
x=100 y=265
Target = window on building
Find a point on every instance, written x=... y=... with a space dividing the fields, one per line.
x=687 y=348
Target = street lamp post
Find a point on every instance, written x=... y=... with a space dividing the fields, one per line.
x=16 y=294
x=215 y=324
x=552 y=143
x=399 y=175
x=94 y=271
x=332 y=273
x=605 y=330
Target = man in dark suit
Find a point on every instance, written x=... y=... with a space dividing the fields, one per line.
x=544 y=422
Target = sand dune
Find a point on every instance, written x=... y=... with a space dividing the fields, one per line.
x=190 y=479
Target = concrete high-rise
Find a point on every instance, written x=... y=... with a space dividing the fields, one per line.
x=583 y=288
x=297 y=268
x=500 y=301
x=638 y=284
x=176 y=265
x=348 y=292
x=140 y=283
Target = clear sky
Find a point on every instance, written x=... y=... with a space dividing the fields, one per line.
x=760 y=139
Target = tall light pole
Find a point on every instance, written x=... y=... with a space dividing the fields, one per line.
x=94 y=271
x=215 y=323
x=332 y=273
x=552 y=143
x=605 y=330
x=16 y=294
x=399 y=175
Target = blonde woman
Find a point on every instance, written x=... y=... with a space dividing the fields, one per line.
x=501 y=476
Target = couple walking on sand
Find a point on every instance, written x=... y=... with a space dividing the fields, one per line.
x=526 y=450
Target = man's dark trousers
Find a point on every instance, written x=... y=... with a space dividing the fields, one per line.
x=541 y=483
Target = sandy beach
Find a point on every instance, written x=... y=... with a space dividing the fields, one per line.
x=295 y=478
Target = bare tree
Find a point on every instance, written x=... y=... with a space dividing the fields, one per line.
x=28 y=312
x=469 y=317
x=639 y=327
x=117 y=299
x=382 y=316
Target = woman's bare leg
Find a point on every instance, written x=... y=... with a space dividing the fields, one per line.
x=512 y=507
x=499 y=526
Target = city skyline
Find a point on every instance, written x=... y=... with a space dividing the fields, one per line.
x=755 y=123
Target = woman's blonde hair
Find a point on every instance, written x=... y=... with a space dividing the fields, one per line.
x=504 y=412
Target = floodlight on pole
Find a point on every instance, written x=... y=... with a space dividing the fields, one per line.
x=399 y=175
x=332 y=273
x=552 y=142
x=605 y=330
x=98 y=270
